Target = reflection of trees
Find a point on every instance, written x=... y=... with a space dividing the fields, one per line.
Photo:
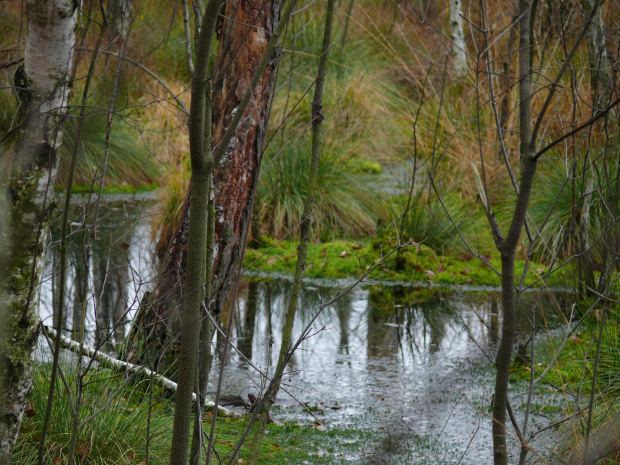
x=400 y=320
x=276 y=295
x=249 y=320
x=54 y=252
x=493 y=333
x=435 y=314
x=269 y=311
x=80 y=297
x=343 y=312
x=109 y=281
x=382 y=337
x=397 y=315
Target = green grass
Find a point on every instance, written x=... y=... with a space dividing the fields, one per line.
x=574 y=366
x=572 y=374
x=118 y=434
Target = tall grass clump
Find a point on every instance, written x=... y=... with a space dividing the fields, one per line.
x=563 y=192
x=129 y=161
x=116 y=436
x=440 y=223
x=367 y=129
x=349 y=203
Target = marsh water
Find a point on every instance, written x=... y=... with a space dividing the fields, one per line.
x=401 y=372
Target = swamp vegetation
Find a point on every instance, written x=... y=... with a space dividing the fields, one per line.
x=289 y=231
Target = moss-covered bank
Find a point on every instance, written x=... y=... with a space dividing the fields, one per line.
x=416 y=263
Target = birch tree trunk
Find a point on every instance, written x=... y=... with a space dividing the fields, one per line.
x=43 y=90
x=459 y=49
x=601 y=89
x=598 y=58
x=119 y=16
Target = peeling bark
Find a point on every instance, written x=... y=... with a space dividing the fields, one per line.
x=43 y=90
x=235 y=177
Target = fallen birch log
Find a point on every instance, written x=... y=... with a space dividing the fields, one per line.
x=120 y=366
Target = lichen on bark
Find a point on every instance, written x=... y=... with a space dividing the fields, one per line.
x=26 y=202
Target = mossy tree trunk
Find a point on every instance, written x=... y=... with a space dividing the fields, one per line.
x=193 y=296
x=42 y=86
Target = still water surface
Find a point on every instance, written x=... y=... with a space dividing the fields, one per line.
x=408 y=365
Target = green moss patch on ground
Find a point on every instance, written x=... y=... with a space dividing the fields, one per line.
x=111 y=189
x=416 y=263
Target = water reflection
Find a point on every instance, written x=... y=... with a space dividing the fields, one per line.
x=411 y=361
x=414 y=361
x=105 y=291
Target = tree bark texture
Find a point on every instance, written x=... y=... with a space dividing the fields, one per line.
x=195 y=278
x=598 y=57
x=43 y=90
x=235 y=177
x=508 y=246
x=457 y=36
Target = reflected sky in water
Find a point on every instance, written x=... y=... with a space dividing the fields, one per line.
x=407 y=363
x=400 y=360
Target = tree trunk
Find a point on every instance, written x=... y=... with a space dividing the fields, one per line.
x=235 y=177
x=200 y=155
x=119 y=17
x=508 y=246
x=459 y=49
x=249 y=320
x=598 y=58
x=43 y=91
x=601 y=88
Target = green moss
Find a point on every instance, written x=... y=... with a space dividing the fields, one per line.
x=359 y=165
x=417 y=263
x=113 y=189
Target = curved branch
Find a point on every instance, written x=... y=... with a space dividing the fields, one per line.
x=149 y=72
